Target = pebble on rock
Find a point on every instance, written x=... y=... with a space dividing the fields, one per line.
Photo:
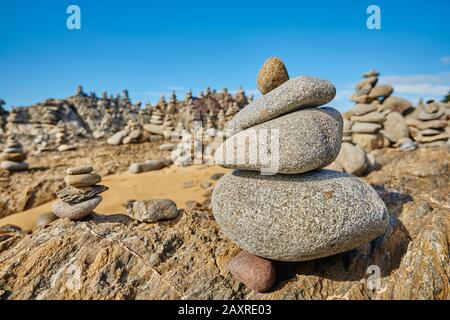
x=79 y=170
x=76 y=211
x=83 y=180
x=153 y=210
x=256 y=273
x=272 y=74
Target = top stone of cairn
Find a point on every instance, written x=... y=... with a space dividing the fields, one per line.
x=297 y=93
x=272 y=74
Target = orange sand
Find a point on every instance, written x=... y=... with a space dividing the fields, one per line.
x=175 y=183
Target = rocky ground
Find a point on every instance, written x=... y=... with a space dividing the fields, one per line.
x=24 y=190
x=114 y=257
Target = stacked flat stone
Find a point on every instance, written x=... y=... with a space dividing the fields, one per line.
x=428 y=124
x=13 y=157
x=81 y=195
x=301 y=211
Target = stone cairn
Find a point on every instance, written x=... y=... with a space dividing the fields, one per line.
x=298 y=211
x=13 y=157
x=81 y=195
x=428 y=124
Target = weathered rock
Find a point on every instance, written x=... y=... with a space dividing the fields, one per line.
x=117 y=138
x=83 y=180
x=300 y=141
x=325 y=212
x=272 y=74
x=375 y=117
x=75 y=211
x=361 y=109
x=368 y=141
x=73 y=195
x=256 y=273
x=361 y=127
x=153 y=210
x=395 y=126
x=294 y=94
x=14 y=166
x=79 y=170
x=352 y=159
x=382 y=91
x=396 y=104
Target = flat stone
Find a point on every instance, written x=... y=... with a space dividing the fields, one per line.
x=363 y=99
x=371 y=73
x=352 y=159
x=382 y=91
x=432 y=124
x=442 y=136
x=395 y=126
x=272 y=74
x=154 y=129
x=14 y=166
x=83 y=180
x=372 y=81
x=361 y=109
x=300 y=141
x=396 y=104
x=365 y=127
x=74 y=195
x=153 y=210
x=256 y=273
x=429 y=132
x=298 y=217
x=294 y=94
x=424 y=116
x=373 y=117
x=79 y=170
x=14 y=157
x=76 y=211
x=149 y=165
x=13 y=150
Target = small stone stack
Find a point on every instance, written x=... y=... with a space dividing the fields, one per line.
x=427 y=124
x=81 y=195
x=278 y=204
x=157 y=117
x=13 y=156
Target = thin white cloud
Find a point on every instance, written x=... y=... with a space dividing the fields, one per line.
x=445 y=60
x=421 y=84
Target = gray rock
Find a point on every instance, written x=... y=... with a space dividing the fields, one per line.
x=298 y=217
x=74 y=195
x=14 y=166
x=395 y=126
x=153 y=210
x=117 y=138
x=308 y=139
x=408 y=145
x=149 y=165
x=428 y=132
x=13 y=150
x=79 y=170
x=352 y=159
x=83 y=180
x=294 y=94
x=167 y=146
x=76 y=211
x=365 y=127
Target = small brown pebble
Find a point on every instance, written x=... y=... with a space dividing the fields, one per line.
x=272 y=74
x=256 y=273
x=83 y=180
x=79 y=170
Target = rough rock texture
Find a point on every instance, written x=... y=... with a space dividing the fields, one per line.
x=153 y=210
x=316 y=214
x=74 y=195
x=186 y=258
x=272 y=74
x=297 y=142
x=294 y=94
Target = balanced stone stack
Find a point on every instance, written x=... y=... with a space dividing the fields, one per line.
x=81 y=195
x=428 y=123
x=281 y=205
x=13 y=156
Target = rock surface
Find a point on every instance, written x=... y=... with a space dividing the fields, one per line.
x=153 y=210
x=323 y=213
x=297 y=142
x=294 y=94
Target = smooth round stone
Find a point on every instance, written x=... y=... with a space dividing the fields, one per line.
x=299 y=141
x=83 y=180
x=117 y=138
x=381 y=91
x=366 y=127
x=149 y=165
x=395 y=126
x=14 y=157
x=375 y=117
x=352 y=159
x=272 y=74
x=361 y=109
x=79 y=170
x=255 y=272
x=298 y=217
x=14 y=166
x=76 y=211
x=294 y=94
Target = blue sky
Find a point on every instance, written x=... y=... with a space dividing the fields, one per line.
x=154 y=47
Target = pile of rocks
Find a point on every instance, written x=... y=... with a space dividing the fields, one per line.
x=13 y=156
x=428 y=124
x=81 y=195
x=298 y=211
